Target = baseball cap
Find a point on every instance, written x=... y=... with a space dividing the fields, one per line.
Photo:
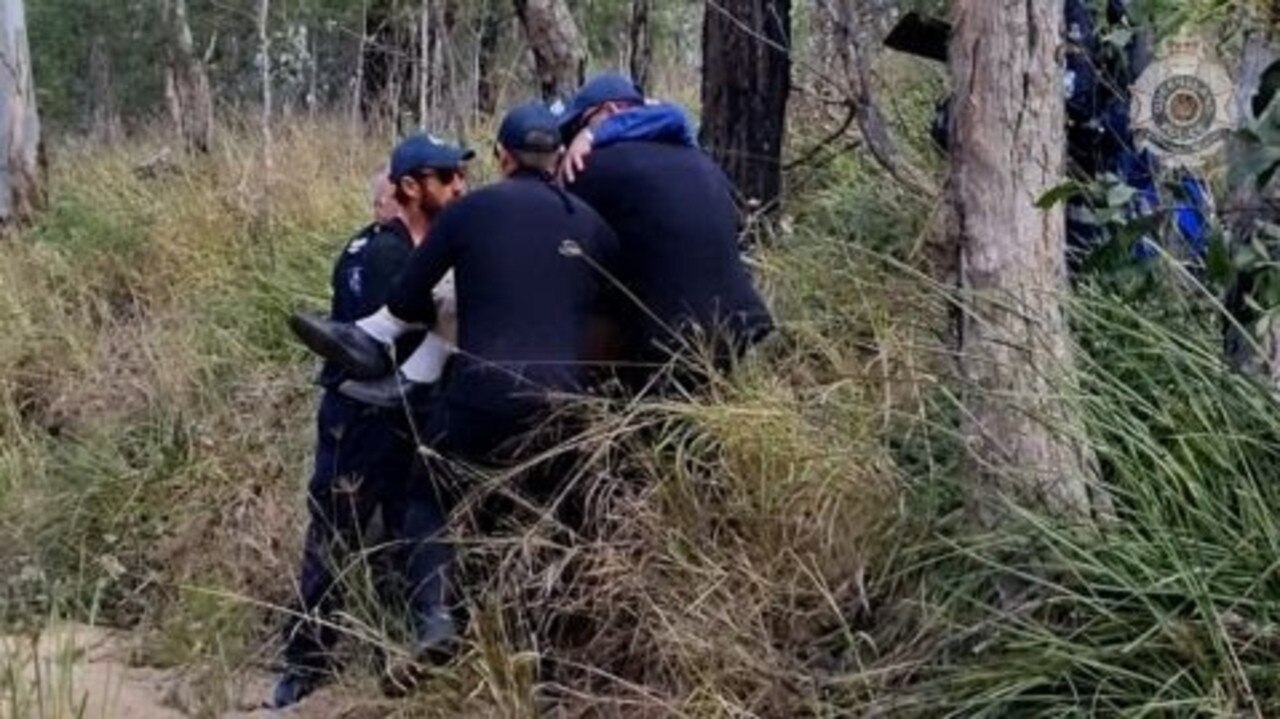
x=605 y=87
x=421 y=151
x=530 y=127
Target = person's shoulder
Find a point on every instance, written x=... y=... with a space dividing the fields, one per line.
x=479 y=199
x=390 y=239
x=361 y=239
x=608 y=163
x=638 y=153
x=527 y=191
x=378 y=234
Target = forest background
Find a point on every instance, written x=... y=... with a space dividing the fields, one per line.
x=845 y=527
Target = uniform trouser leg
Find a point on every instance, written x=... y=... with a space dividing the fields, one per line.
x=459 y=437
x=356 y=456
x=677 y=373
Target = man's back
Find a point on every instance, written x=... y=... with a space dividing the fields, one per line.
x=677 y=224
x=525 y=297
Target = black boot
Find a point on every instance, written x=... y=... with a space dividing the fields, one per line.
x=436 y=639
x=435 y=644
x=362 y=356
x=293 y=686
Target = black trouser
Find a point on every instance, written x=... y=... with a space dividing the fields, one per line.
x=664 y=367
x=461 y=439
x=363 y=462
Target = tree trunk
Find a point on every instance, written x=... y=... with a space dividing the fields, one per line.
x=449 y=91
x=187 y=82
x=558 y=53
x=487 y=60
x=390 y=60
x=1008 y=147
x=357 y=92
x=424 y=64
x=313 y=75
x=22 y=179
x=103 y=120
x=746 y=80
x=641 y=46
x=264 y=54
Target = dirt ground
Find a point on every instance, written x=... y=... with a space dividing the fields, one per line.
x=81 y=672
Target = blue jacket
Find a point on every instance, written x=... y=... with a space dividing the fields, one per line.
x=663 y=122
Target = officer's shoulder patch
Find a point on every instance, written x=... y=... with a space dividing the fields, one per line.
x=355 y=281
x=357 y=244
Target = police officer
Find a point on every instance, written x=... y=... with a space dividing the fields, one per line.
x=364 y=454
x=676 y=219
x=1096 y=92
x=531 y=263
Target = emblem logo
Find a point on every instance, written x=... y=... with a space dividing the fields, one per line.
x=1182 y=109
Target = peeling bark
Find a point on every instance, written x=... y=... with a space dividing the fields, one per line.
x=22 y=190
x=641 y=45
x=559 y=56
x=186 y=81
x=487 y=60
x=1015 y=351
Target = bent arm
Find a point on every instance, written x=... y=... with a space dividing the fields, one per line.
x=411 y=300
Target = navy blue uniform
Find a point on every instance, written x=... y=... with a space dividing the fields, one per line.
x=675 y=216
x=363 y=458
x=1099 y=139
x=525 y=257
x=525 y=296
x=362 y=280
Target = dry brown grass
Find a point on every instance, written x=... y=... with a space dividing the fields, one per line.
x=157 y=422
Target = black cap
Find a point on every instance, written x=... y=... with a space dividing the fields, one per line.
x=424 y=152
x=605 y=87
x=530 y=127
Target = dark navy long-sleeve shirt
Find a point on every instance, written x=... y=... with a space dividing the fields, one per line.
x=526 y=297
x=674 y=213
x=362 y=280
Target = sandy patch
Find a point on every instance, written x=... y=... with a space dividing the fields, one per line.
x=75 y=671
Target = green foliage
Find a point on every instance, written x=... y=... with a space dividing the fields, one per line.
x=788 y=544
x=154 y=416
x=1253 y=161
x=1171 y=609
x=107 y=58
x=1256 y=150
x=61 y=34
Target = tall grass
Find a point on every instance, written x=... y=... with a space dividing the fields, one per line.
x=153 y=415
x=1172 y=609
x=789 y=543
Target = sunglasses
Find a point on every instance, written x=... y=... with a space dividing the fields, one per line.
x=445 y=176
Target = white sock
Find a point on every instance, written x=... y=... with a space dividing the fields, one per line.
x=426 y=364
x=384 y=326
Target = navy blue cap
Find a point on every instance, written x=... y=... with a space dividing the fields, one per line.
x=530 y=127
x=605 y=87
x=423 y=152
